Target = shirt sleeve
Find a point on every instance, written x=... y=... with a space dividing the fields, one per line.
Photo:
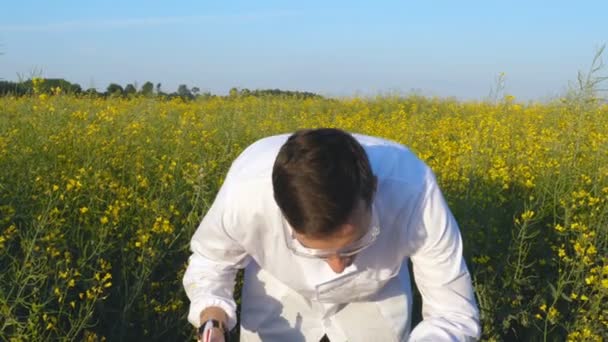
x=449 y=308
x=216 y=257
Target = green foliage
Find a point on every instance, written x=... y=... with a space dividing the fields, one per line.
x=99 y=198
x=49 y=86
x=114 y=89
x=147 y=89
x=130 y=89
x=46 y=87
x=235 y=92
x=13 y=88
x=184 y=92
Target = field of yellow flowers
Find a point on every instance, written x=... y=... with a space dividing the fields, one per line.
x=99 y=198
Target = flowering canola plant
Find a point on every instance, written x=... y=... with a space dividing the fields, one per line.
x=99 y=198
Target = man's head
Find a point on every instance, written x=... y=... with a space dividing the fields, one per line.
x=324 y=186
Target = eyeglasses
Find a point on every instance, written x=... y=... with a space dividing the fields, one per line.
x=357 y=247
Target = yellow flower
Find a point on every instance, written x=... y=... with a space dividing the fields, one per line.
x=553 y=313
x=84 y=210
x=578 y=248
x=104 y=220
x=526 y=215
x=586 y=332
x=590 y=279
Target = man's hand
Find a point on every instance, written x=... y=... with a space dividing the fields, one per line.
x=217 y=334
x=214 y=312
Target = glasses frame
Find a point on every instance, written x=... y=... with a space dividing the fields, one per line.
x=366 y=241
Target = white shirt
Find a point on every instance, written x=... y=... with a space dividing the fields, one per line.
x=244 y=224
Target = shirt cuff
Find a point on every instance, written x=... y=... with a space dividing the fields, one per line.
x=194 y=315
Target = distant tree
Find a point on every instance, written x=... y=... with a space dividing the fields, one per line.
x=75 y=88
x=184 y=92
x=280 y=93
x=53 y=83
x=49 y=85
x=130 y=89
x=114 y=89
x=234 y=92
x=158 y=88
x=147 y=89
x=195 y=91
x=92 y=92
x=13 y=88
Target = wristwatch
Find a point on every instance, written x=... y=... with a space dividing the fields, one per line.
x=209 y=324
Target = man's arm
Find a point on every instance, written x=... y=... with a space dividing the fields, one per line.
x=449 y=308
x=216 y=257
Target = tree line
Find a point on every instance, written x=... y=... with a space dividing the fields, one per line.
x=148 y=89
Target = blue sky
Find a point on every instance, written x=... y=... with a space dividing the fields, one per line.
x=336 y=48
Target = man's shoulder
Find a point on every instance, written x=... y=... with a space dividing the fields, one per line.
x=256 y=160
x=391 y=160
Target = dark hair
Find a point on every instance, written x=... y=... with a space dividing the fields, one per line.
x=318 y=178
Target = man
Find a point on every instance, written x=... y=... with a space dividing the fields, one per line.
x=323 y=223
